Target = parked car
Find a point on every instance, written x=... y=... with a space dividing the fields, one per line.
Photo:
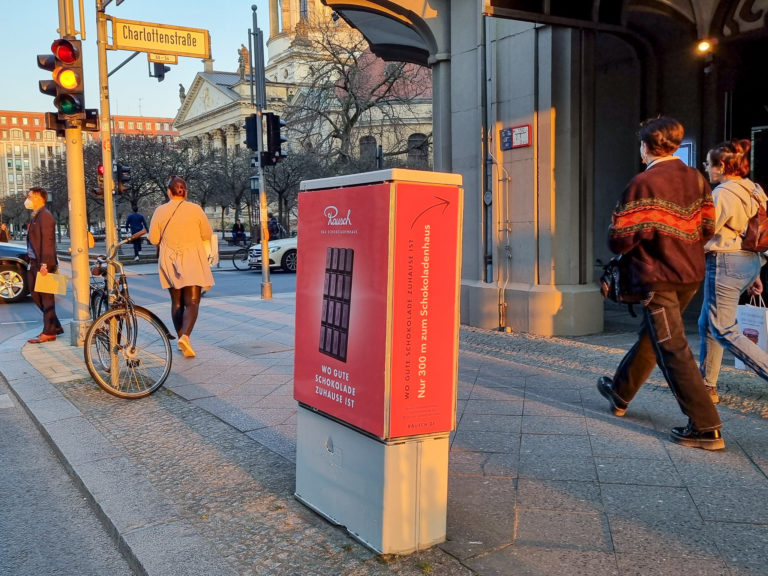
x=13 y=272
x=282 y=254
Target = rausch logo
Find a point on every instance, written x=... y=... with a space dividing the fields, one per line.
x=332 y=213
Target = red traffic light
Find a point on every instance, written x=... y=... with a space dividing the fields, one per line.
x=66 y=51
x=100 y=169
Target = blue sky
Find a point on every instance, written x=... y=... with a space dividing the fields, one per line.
x=27 y=29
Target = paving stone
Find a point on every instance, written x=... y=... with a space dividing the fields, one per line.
x=535 y=561
x=637 y=471
x=563 y=495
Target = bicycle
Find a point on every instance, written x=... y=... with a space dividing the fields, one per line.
x=241 y=259
x=99 y=298
x=127 y=349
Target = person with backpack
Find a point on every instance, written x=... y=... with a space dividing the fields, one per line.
x=275 y=229
x=733 y=263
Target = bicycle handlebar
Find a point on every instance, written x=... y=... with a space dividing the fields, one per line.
x=113 y=249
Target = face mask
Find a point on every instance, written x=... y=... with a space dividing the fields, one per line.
x=28 y=204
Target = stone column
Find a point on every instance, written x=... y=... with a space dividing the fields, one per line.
x=231 y=138
x=274 y=19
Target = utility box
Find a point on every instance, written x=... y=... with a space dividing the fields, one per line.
x=376 y=355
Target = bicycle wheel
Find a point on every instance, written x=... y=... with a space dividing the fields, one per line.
x=139 y=370
x=240 y=259
x=99 y=303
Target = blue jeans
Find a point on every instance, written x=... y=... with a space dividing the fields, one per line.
x=662 y=342
x=728 y=276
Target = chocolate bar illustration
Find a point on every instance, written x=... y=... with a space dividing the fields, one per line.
x=337 y=296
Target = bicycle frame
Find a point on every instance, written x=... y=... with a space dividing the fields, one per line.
x=122 y=328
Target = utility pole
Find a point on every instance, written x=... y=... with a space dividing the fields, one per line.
x=106 y=136
x=260 y=102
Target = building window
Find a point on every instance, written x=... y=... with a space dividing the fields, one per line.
x=3 y=120
x=37 y=121
x=139 y=126
x=165 y=126
x=157 y=126
x=120 y=125
x=418 y=151
x=26 y=135
x=25 y=121
x=14 y=120
x=368 y=148
x=15 y=134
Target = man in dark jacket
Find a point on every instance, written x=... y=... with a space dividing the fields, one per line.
x=41 y=249
x=135 y=223
x=662 y=222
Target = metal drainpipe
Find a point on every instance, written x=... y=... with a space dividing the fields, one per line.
x=490 y=230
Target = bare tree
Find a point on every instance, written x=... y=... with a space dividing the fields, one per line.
x=53 y=177
x=348 y=93
x=283 y=182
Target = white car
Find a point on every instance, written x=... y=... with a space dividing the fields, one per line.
x=282 y=254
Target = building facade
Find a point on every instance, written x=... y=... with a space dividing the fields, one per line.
x=26 y=145
x=537 y=105
x=214 y=108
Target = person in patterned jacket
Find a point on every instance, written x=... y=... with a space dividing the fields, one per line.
x=662 y=221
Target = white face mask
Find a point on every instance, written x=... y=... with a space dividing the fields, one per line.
x=28 y=204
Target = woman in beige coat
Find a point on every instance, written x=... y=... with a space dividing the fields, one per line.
x=179 y=228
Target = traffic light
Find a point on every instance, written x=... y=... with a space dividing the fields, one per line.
x=274 y=137
x=159 y=71
x=251 y=132
x=269 y=158
x=99 y=190
x=66 y=67
x=122 y=177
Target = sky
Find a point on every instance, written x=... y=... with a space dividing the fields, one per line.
x=28 y=27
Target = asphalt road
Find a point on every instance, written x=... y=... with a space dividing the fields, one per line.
x=145 y=289
x=47 y=526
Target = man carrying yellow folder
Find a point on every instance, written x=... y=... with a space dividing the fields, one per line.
x=41 y=249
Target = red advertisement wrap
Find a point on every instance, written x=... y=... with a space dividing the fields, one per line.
x=424 y=311
x=377 y=306
x=348 y=384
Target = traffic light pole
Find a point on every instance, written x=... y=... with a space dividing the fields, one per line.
x=257 y=77
x=78 y=221
x=106 y=137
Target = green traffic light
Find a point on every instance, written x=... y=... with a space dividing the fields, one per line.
x=68 y=104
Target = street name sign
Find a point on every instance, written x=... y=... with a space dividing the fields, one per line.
x=160 y=38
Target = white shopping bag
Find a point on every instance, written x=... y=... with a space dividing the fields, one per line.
x=752 y=320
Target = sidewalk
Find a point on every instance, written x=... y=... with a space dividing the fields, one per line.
x=199 y=477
